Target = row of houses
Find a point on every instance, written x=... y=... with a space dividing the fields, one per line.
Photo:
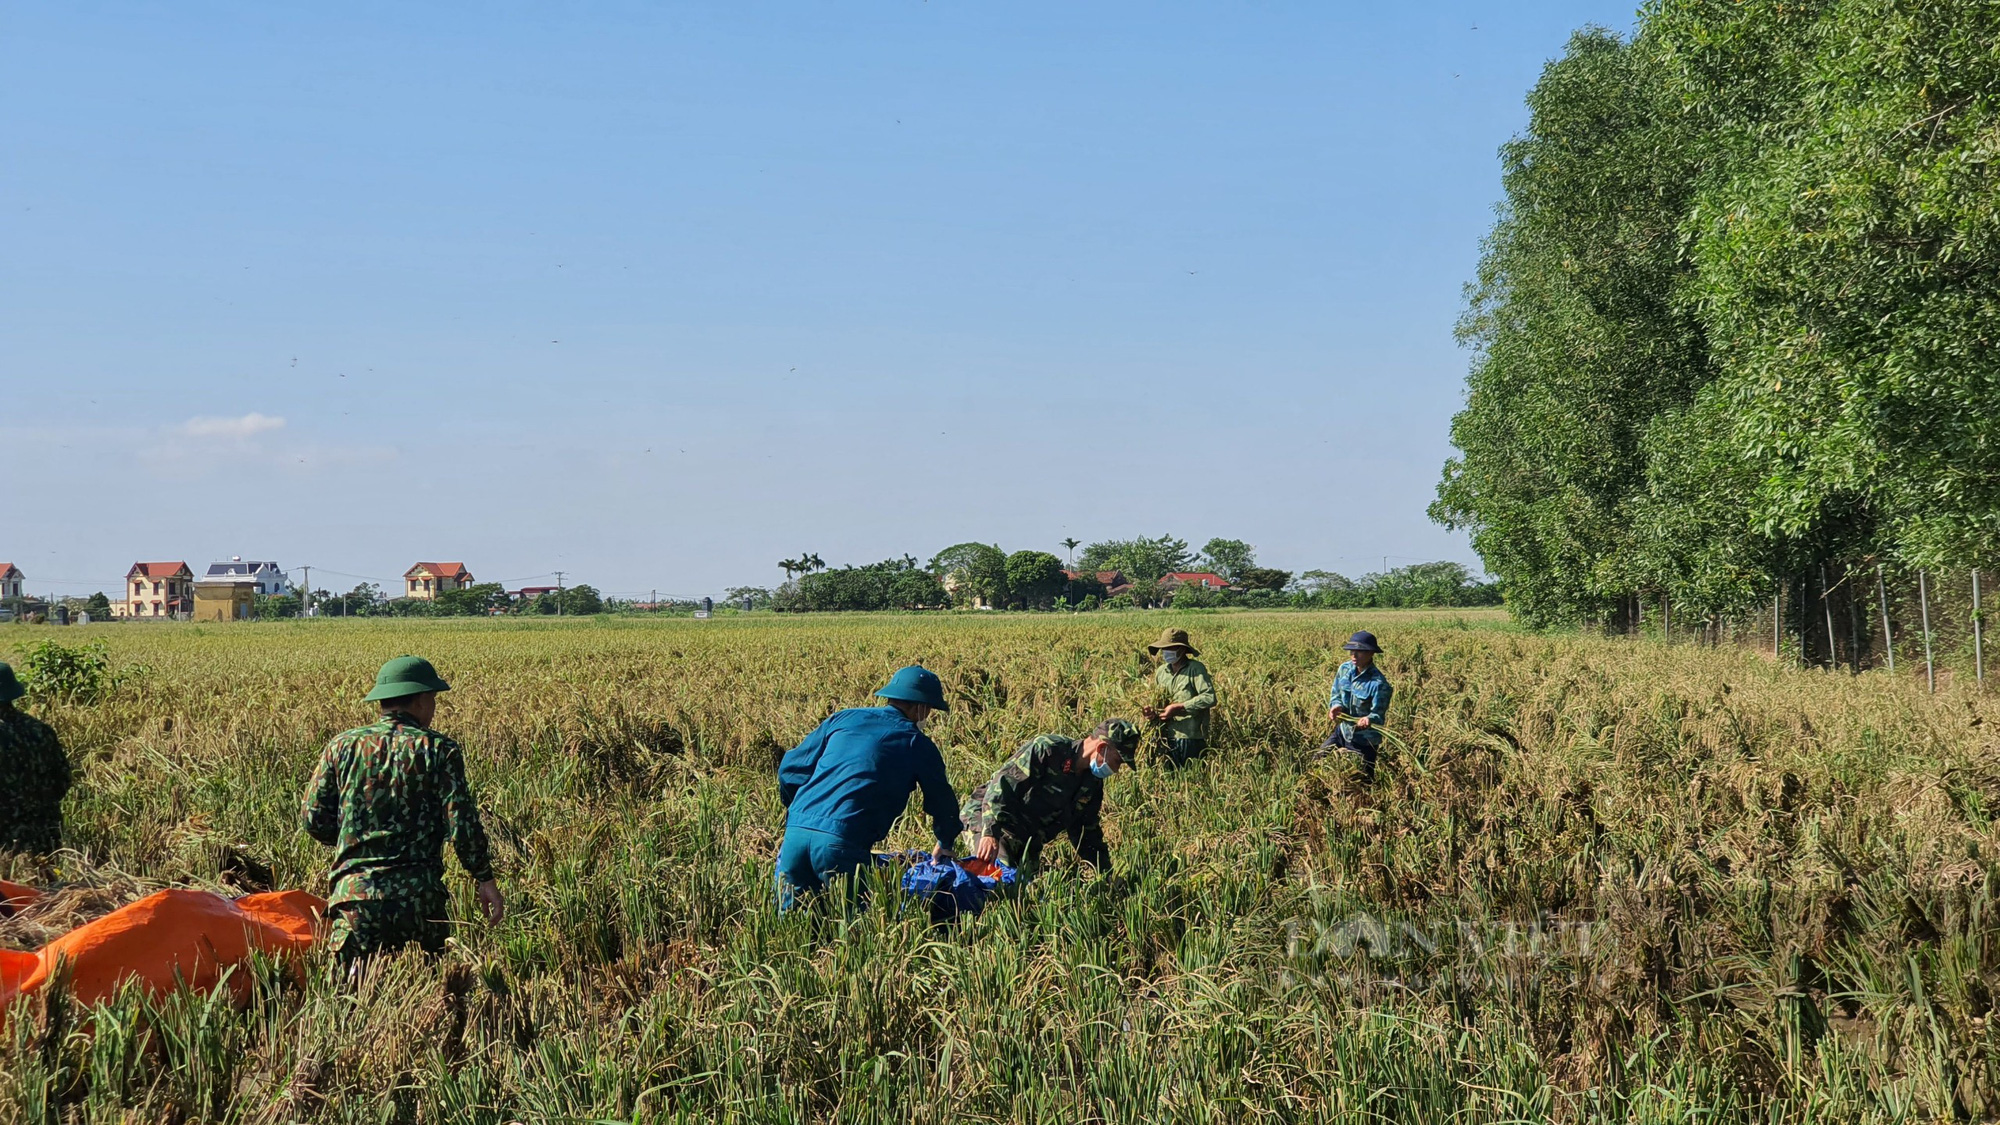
x=227 y=592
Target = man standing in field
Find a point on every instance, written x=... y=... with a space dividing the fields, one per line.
x=1051 y=786
x=1360 y=700
x=1190 y=695
x=387 y=796
x=848 y=781
x=36 y=775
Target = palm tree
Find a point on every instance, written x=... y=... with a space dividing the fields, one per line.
x=1070 y=545
x=788 y=566
x=812 y=562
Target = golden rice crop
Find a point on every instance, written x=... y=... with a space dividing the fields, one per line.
x=1605 y=880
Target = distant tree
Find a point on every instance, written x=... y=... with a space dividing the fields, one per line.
x=97 y=605
x=972 y=572
x=916 y=588
x=274 y=607
x=581 y=600
x=1144 y=561
x=1228 y=557
x=1034 y=579
x=1069 y=551
x=890 y=584
x=1083 y=592
x=758 y=596
x=1262 y=578
x=472 y=601
x=1324 y=581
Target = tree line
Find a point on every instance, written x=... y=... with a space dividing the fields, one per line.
x=1112 y=574
x=1734 y=328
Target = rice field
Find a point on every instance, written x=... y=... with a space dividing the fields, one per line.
x=1601 y=880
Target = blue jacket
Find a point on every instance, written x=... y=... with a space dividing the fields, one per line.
x=852 y=777
x=1361 y=693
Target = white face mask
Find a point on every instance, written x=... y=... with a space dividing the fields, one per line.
x=1170 y=655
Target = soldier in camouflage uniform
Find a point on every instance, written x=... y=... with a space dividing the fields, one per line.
x=1051 y=786
x=36 y=775
x=387 y=796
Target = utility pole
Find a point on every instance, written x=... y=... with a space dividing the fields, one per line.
x=559 y=593
x=306 y=592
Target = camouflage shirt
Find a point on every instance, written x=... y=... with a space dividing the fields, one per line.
x=387 y=796
x=37 y=775
x=1043 y=790
x=1191 y=687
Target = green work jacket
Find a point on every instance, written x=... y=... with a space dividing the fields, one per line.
x=1191 y=687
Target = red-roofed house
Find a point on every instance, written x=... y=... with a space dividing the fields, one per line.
x=156 y=589
x=427 y=580
x=1113 y=581
x=11 y=580
x=1207 y=580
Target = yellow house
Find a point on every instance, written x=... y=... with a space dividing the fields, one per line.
x=156 y=589
x=225 y=599
x=427 y=580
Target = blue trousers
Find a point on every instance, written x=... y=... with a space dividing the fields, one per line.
x=1362 y=748
x=809 y=859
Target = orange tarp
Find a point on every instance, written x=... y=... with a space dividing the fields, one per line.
x=164 y=939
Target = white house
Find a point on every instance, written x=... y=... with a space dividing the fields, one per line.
x=269 y=576
x=10 y=581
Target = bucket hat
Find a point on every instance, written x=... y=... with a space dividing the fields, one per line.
x=10 y=687
x=406 y=675
x=1173 y=638
x=915 y=684
x=1363 y=641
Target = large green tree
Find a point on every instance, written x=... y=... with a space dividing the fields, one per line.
x=1578 y=333
x=1034 y=579
x=973 y=572
x=1737 y=320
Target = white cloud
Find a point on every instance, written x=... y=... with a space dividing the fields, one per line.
x=249 y=425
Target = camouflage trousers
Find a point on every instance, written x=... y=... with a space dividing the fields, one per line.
x=361 y=928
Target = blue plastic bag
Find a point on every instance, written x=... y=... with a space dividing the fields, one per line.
x=948 y=888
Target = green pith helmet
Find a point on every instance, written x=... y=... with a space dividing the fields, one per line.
x=916 y=684
x=10 y=688
x=1122 y=734
x=406 y=675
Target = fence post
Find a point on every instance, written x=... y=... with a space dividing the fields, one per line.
x=1666 y=618
x=1778 y=622
x=1804 y=594
x=1924 y=599
x=1978 y=635
x=1888 y=638
x=1826 y=603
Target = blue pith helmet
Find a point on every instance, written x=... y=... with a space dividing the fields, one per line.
x=915 y=684
x=1364 y=641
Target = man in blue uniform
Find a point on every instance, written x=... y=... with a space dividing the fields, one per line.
x=844 y=786
x=1360 y=700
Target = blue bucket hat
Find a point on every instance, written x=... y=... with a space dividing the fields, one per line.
x=915 y=684
x=1363 y=641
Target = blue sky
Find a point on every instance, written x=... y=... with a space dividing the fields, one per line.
x=660 y=294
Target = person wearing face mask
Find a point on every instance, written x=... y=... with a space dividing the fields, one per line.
x=850 y=779
x=1052 y=786
x=1190 y=694
x=1358 y=703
